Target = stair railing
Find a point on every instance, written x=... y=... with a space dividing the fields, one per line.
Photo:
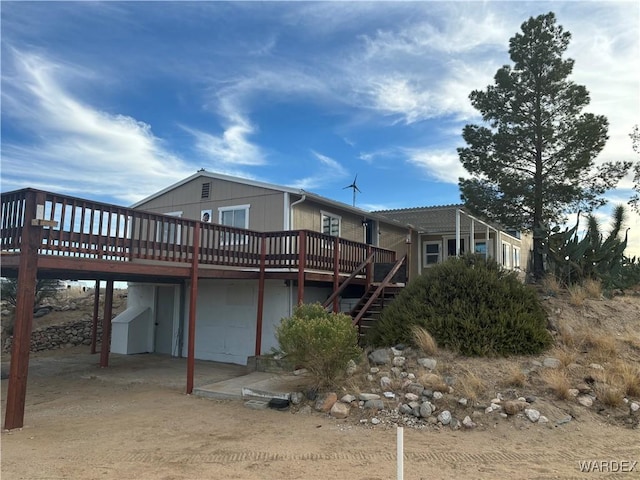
x=344 y=284
x=386 y=281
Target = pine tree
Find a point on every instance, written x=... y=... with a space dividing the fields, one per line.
x=534 y=162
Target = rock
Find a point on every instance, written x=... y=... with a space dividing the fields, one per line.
x=340 y=410
x=428 y=363
x=543 y=419
x=389 y=395
x=634 y=407
x=405 y=409
x=583 y=388
x=444 y=417
x=326 y=401
x=437 y=395
x=574 y=392
x=531 y=399
x=374 y=370
x=374 y=404
x=370 y=377
x=296 y=397
x=455 y=424
x=352 y=368
x=368 y=396
x=397 y=371
x=468 y=423
x=532 y=414
x=411 y=376
x=399 y=361
x=41 y=312
x=411 y=397
x=415 y=388
x=380 y=356
x=563 y=420
x=425 y=410
x=513 y=407
x=551 y=362
x=585 y=400
x=348 y=399
x=488 y=410
x=385 y=383
x=463 y=402
x=496 y=406
x=375 y=421
x=596 y=366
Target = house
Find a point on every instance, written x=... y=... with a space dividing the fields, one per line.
x=227 y=298
x=445 y=231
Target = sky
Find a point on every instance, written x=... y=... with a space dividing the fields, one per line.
x=113 y=101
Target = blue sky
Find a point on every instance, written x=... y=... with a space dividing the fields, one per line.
x=115 y=101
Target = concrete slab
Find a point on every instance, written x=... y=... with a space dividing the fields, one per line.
x=259 y=385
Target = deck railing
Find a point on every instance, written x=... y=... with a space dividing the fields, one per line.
x=74 y=227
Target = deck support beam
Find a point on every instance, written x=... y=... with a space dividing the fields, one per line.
x=94 y=323
x=261 y=278
x=336 y=273
x=193 y=300
x=105 y=346
x=25 y=298
x=302 y=265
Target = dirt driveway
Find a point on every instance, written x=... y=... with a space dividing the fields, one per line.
x=87 y=423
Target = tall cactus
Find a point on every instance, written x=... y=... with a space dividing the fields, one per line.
x=573 y=260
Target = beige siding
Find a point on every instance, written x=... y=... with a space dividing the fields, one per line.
x=266 y=207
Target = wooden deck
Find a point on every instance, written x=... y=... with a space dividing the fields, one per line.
x=86 y=240
x=47 y=235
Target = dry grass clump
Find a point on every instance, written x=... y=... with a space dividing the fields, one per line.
x=577 y=295
x=593 y=288
x=471 y=386
x=558 y=382
x=609 y=395
x=599 y=347
x=423 y=340
x=435 y=382
x=566 y=336
x=627 y=377
x=515 y=377
x=551 y=285
x=566 y=356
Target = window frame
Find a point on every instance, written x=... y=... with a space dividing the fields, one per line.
x=329 y=215
x=425 y=254
x=237 y=239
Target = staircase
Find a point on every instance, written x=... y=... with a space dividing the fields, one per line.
x=366 y=316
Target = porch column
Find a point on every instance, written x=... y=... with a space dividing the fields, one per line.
x=25 y=298
x=336 y=272
x=472 y=240
x=105 y=346
x=457 y=232
x=193 y=299
x=94 y=323
x=486 y=252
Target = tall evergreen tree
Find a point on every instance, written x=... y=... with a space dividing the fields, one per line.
x=534 y=162
x=635 y=144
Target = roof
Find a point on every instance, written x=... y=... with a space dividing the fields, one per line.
x=271 y=186
x=437 y=219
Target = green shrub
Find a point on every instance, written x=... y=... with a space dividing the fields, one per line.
x=469 y=305
x=319 y=341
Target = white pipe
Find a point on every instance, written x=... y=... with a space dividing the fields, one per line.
x=400 y=453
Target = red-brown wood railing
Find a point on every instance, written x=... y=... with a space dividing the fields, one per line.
x=95 y=230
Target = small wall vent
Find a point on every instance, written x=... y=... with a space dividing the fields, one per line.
x=206 y=190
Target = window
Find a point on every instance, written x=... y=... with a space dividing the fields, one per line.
x=330 y=224
x=451 y=247
x=169 y=232
x=481 y=248
x=431 y=253
x=516 y=257
x=206 y=190
x=506 y=255
x=238 y=217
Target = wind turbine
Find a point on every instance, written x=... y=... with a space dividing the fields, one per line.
x=355 y=188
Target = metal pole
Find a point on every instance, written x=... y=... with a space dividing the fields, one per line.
x=400 y=452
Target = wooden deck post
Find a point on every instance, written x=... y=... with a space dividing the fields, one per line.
x=25 y=298
x=336 y=272
x=302 y=264
x=94 y=323
x=105 y=346
x=193 y=299
x=263 y=259
x=369 y=268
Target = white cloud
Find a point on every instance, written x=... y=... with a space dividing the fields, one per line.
x=330 y=170
x=441 y=165
x=77 y=148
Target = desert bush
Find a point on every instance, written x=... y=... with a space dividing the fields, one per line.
x=593 y=288
x=609 y=395
x=577 y=295
x=319 y=341
x=469 y=305
x=515 y=377
x=627 y=377
x=471 y=386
